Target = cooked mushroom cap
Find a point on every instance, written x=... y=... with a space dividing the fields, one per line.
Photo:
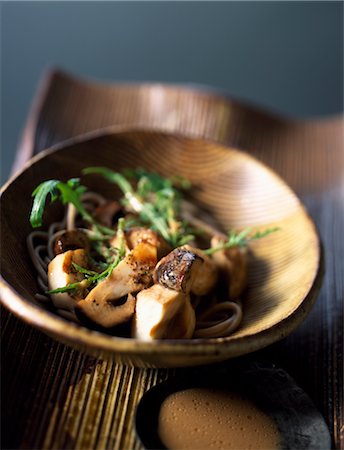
x=207 y=275
x=163 y=313
x=176 y=270
x=61 y=272
x=132 y=274
x=71 y=240
x=137 y=235
x=232 y=264
x=186 y=269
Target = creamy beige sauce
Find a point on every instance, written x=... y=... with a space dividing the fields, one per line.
x=201 y=418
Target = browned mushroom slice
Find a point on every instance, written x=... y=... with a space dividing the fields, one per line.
x=71 y=240
x=163 y=313
x=139 y=234
x=176 y=270
x=110 y=313
x=61 y=273
x=134 y=236
x=132 y=274
x=186 y=269
x=232 y=265
x=205 y=279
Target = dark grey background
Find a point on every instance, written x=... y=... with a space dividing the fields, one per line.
x=284 y=56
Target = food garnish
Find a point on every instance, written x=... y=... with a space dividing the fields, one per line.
x=139 y=259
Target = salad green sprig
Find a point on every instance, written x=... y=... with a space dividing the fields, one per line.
x=155 y=200
x=240 y=239
x=69 y=192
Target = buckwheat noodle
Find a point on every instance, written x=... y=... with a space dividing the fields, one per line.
x=215 y=322
x=219 y=320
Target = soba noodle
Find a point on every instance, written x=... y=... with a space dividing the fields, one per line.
x=210 y=325
x=220 y=319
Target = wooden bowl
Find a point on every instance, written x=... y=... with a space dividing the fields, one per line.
x=284 y=270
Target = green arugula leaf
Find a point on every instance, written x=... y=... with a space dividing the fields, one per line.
x=240 y=239
x=155 y=200
x=70 y=287
x=40 y=195
x=69 y=192
x=261 y=234
x=83 y=270
x=110 y=175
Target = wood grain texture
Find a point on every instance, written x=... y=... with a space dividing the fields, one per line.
x=235 y=189
x=50 y=381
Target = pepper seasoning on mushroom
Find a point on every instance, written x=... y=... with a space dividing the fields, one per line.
x=104 y=304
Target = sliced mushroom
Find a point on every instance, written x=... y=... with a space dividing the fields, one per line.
x=132 y=274
x=186 y=269
x=178 y=269
x=61 y=273
x=163 y=313
x=206 y=277
x=110 y=313
x=139 y=234
x=71 y=240
x=232 y=265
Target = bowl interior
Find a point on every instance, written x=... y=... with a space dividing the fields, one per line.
x=236 y=189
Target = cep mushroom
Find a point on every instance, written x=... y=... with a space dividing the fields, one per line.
x=163 y=313
x=105 y=303
x=187 y=269
x=232 y=266
x=61 y=273
x=71 y=240
x=109 y=313
x=136 y=235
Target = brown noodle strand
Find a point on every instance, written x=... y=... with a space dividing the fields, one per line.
x=56 y=226
x=42 y=284
x=94 y=198
x=42 y=298
x=35 y=257
x=215 y=328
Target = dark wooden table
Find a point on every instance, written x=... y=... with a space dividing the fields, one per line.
x=54 y=397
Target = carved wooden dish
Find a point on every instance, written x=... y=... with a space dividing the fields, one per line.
x=285 y=267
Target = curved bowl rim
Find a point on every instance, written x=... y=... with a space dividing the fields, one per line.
x=75 y=334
